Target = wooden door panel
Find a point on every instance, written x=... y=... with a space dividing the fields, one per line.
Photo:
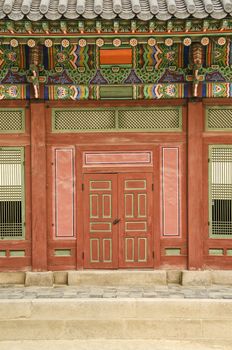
x=135 y=213
x=100 y=234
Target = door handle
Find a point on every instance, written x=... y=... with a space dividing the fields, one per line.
x=116 y=221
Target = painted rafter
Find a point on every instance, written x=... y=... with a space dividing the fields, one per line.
x=90 y=28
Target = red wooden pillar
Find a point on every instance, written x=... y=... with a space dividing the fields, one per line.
x=195 y=179
x=38 y=187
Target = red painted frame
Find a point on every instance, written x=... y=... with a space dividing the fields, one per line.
x=119 y=141
x=19 y=140
x=213 y=138
x=197 y=151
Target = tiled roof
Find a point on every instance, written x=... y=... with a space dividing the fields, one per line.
x=35 y=10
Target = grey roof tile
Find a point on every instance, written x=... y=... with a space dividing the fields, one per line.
x=35 y=10
x=117 y=6
x=62 y=6
x=145 y=13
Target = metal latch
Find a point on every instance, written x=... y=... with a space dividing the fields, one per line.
x=116 y=221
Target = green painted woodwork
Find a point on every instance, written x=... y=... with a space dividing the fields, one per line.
x=218 y=252
x=229 y=252
x=12 y=120
x=73 y=72
x=220 y=191
x=73 y=120
x=108 y=28
x=158 y=119
x=2 y=253
x=172 y=251
x=17 y=253
x=218 y=118
x=116 y=92
x=12 y=193
x=62 y=252
x=117 y=119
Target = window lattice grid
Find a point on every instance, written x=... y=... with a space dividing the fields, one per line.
x=221 y=191
x=78 y=120
x=157 y=119
x=11 y=193
x=11 y=121
x=219 y=118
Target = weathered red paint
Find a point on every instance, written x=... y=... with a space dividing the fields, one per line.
x=39 y=174
x=38 y=187
x=170 y=192
x=64 y=205
x=195 y=183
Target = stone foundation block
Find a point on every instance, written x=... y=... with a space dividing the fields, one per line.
x=222 y=277
x=174 y=276
x=117 y=278
x=196 y=278
x=12 y=277
x=60 y=277
x=41 y=279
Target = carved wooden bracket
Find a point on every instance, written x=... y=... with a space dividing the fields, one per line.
x=197 y=61
x=34 y=68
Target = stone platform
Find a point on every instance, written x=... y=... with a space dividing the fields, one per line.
x=99 y=311
x=117 y=278
x=160 y=307
x=114 y=345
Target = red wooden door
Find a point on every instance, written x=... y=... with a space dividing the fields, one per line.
x=100 y=233
x=135 y=207
x=118 y=213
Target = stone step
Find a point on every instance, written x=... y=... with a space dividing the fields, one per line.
x=110 y=319
x=118 y=344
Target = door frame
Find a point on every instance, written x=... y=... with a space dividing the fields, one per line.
x=160 y=244
x=120 y=170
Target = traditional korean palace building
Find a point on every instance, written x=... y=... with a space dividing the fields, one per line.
x=115 y=134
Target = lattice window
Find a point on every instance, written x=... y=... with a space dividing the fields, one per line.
x=220 y=191
x=83 y=120
x=12 y=120
x=117 y=119
x=11 y=193
x=156 y=119
x=219 y=118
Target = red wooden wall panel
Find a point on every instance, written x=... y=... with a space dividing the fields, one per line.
x=170 y=192
x=64 y=192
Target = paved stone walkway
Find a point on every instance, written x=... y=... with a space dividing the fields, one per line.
x=169 y=291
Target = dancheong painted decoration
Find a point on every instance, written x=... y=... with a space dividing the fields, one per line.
x=115 y=134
